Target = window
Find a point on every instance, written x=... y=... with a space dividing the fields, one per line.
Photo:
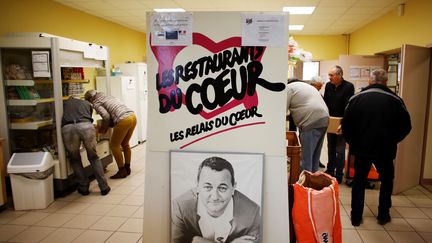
x=310 y=69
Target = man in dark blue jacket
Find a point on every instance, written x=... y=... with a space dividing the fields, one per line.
x=375 y=121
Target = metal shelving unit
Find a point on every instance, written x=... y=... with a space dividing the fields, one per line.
x=33 y=106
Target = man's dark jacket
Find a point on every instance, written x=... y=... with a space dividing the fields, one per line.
x=375 y=121
x=336 y=98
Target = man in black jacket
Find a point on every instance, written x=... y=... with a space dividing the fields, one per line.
x=336 y=96
x=375 y=121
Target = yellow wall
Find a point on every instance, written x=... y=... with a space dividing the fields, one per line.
x=323 y=47
x=391 y=31
x=125 y=44
x=51 y=17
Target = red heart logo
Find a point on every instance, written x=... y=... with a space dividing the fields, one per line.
x=165 y=56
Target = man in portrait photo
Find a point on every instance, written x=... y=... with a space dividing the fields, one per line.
x=214 y=211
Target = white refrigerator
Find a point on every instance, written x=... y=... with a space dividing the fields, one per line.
x=139 y=71
x=124 y=88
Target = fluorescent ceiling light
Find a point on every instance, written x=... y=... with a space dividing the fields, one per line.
x=299 y=10
x=169 y=10
x=296 y=27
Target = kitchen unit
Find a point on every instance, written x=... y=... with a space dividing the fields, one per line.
x=33 y=82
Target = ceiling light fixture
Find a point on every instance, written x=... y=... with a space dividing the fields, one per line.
x=299 y=10
x=296 y=27
x=169 y=10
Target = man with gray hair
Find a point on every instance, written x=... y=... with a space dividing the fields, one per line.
x=375 y=121
x=310 y=114
x=317 y=82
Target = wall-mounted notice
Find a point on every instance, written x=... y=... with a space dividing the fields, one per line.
x=359 y=75
x=171 y=29
x=360 y=85
x=392 y=74
x=361 y=72
x=264 y=29
x=41 y=64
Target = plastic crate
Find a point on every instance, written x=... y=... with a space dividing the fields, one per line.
x=294 y=155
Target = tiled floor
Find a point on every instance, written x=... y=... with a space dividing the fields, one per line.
x=411 y=215
x=115 y=218
x=118 y=216
x=411 y=218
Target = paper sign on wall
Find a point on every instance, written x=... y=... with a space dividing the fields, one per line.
x=264 y=29
x=41 y=64
x=171 y=29
x=361 y=72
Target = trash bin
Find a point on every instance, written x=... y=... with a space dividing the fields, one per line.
x=31 y=177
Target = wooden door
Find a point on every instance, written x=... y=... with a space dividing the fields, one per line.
x=415 y=68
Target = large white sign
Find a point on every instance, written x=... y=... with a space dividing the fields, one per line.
x=216 y=95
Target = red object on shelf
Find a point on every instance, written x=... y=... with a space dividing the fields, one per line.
x=81 y=71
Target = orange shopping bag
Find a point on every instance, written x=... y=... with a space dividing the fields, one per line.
x=315 y=213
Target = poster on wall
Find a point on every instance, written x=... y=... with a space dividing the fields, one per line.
x=216 y=196
x=217 y=91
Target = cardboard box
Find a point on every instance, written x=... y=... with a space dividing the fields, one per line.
x=334 y=123
x=102 y=136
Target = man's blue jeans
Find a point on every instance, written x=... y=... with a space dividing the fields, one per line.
x=311 y=145
x=73 y=135
x=336 y=155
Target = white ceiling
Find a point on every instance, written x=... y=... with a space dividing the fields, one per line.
x=331 y=17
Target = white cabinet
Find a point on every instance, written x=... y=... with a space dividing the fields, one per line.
x=124 y=88
x=33 y=90
x=139 y=71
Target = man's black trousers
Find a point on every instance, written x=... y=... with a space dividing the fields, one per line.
x=385 y=169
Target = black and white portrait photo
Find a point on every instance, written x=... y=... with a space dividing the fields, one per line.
x=216 y=197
